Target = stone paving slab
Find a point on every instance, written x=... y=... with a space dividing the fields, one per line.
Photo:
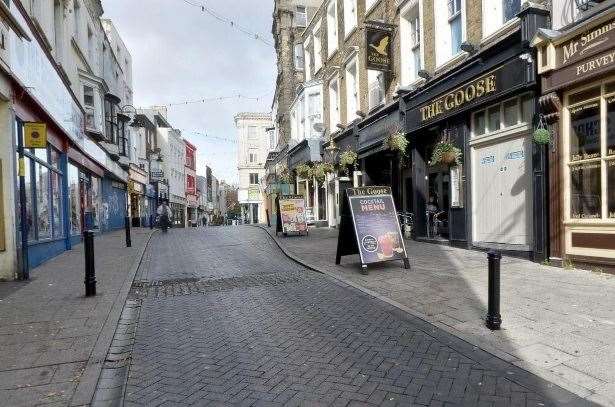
x=226 y=319
x=557 y=323
x=53 y=339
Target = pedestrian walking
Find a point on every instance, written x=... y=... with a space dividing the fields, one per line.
x=164 y=215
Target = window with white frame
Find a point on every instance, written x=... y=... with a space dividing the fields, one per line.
x=314 y=102
x=332 y=27
x=496 y=13
x=300 y=17
x=352 y=90
x=410 y=28
x=298 y=57
x=369 y=4
x=317 y=48
x=307 y=61
x=503 y=115
x=334 y=104
x=350 y=16
x=589 y=141
x=375 y=85
x=449 y=29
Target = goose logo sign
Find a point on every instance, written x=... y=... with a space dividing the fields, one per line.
x=378 y=49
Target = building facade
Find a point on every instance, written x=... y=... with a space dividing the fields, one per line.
x=56 y=75
x=253 y=149
x=577 y=70
x=191 y=190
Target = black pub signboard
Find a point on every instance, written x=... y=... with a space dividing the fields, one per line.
x=369 y=226
x=378 y=48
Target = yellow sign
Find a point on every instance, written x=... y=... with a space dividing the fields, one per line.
x=21 y=171
x=460 y=96
x=35 y=135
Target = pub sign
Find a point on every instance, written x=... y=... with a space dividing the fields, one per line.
x=378 y=46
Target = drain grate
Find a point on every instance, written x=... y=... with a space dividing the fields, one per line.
x=191 y=286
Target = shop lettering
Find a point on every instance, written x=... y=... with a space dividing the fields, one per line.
x=586 y=42
x=596 y=63
x=375 y=59
x=459 y=97
x=371 y=205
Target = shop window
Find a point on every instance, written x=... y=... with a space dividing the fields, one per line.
x=585 y=190
x=479 y=123
x=43 y=192
x=610 y=177
x=493 y=117
x=96 y=201
x=585 y=131
x=74 y=200
x=610 y=130
x=511 y=112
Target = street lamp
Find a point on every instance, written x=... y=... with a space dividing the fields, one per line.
x=332 y=152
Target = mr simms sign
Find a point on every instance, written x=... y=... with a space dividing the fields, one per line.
x=378 y=48
x=583 y=56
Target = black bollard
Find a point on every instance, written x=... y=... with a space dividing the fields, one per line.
x=127 y=227
x=494 y=319
x=90 y=271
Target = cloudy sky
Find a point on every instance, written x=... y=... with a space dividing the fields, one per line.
x=180 y=53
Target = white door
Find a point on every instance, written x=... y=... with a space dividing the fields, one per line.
x=486 y=208
x=501 y=199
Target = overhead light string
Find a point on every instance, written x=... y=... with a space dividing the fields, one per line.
x=233 y=24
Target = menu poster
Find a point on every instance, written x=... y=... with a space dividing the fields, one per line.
x=292 y=214
x=376 y=227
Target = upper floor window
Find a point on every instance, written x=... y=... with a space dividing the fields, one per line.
x=252 y=134
x=77 y=26
x=88 y=96
x=253 y=157
x=253 y=178
x=454 y=21
x=496 y=13
x=332 y=27
x=352 y=90
x=369 y=4
x=298 y=56
x=511 y=112
x=308 y=61
x=334 y=104
x=410 y=28
x=300 y=17
x=111 y=121
x=314 y=112
x=350 y=16
x=449 y=29
x=375 y=84
x=317 y=48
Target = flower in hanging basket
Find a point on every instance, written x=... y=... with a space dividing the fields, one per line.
x=286 y=176
x=321 y=170
x=542 y=136
x=445 y=153
x=348 y=158
x=397 y=142
x=303 y=171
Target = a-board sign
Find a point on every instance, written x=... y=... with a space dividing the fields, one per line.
x=291 y=214
x=370 y=227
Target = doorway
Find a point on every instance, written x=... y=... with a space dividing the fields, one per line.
x=438 y=203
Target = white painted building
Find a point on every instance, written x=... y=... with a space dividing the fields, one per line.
x=173 y=151
x=253 y=147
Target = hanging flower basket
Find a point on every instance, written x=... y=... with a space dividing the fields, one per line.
x=348 y=158
x=321 y=170
x=397 y=142
x=286 y=176
x=446 y=154
x=542 y=136
x=303 y=171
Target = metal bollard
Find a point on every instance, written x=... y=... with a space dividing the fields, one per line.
x=90 y=271
x=494 y=319
x=127 y=227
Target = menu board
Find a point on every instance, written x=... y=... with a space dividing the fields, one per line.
x=377 y=235
x=292 y=213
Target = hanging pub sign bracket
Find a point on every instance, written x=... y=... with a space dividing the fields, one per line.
x=369 y=227
x=291 y=216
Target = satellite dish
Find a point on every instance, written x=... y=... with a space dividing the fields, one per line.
x=319 y=127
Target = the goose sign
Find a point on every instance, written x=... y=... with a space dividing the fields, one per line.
x=378 y=48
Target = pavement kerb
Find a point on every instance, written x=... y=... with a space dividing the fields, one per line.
x=543 y=373
x=87 y=385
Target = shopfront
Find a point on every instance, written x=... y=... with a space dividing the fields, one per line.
x=308 y=152
x=577 y=69
x=477 y=177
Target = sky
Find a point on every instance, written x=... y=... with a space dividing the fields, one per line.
x=180 y=53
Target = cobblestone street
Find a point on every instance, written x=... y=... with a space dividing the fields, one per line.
x=227 y=319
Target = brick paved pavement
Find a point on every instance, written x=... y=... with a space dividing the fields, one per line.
x=557 y=323
x=226 y=319
x=52 y=338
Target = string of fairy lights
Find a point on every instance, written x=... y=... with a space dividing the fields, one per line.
x=232 y=23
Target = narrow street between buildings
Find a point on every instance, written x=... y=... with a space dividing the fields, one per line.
x=226 y=318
